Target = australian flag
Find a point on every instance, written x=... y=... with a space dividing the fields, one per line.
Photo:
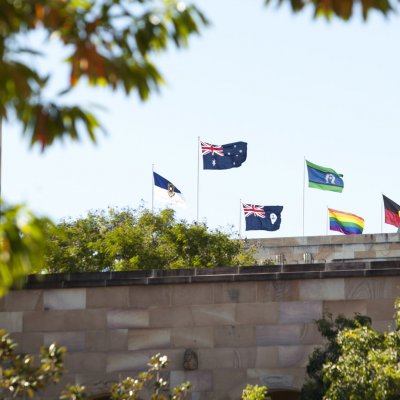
x=265 y=218
x=226 y=156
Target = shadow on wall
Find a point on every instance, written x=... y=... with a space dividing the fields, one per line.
x=284 y=395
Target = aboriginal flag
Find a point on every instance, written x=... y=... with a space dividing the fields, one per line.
x=392 y=212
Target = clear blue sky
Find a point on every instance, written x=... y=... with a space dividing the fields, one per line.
x=290 y=86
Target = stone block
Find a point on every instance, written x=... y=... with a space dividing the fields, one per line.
x=267 y=357
x=322 y=289
x=64 y=299
x=294 y=356
x=52 y=391
x=195 y=338
x=36 y=321
x=214 y=314
x=11 y=321
x=243 y=292
x=107 y=297
x=365 y=254
x=177 y=316
x=140 y=339
x=146 y=296
x=380 y=309
x=97 y=384
x=270 y=335
x=83 y=362
x=280 y=290
x=226 y=358
x=78 y=320
x=71 y=320
x=395 y=287
x=257 y=313
x=137 y=360
x=225 y=380
x=23 y=300
x=191 y=294
x=388 y=253
x=201 y=381
x=345 y=307
x=368 y=288
x=234 y=336
x=278 y=378
x=117 y=339
x=127 y=361
x=299 y=311
x=73 y=341
x=28 y=342
x=96 y=341
x=127 y=319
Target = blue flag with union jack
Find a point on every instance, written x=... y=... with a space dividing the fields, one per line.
x=262 y=218
x=226 y=156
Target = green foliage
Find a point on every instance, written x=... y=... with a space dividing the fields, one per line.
x=316 y=386
x=130 y=388
x=106 y=43
x=20 y=376
x=255 y=393
x=339 y=8
x=22 y=243
x=368 y=366
x=138 y=239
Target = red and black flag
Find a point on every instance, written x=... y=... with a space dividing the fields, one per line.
x=392 y=212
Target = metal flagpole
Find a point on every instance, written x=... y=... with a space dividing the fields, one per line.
x=152 y=189
x=240 y=218
x=198 y=176
x=327 y=220
x=382 y=211
x=304 y=184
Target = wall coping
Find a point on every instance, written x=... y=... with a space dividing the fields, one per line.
x=342 y=269
x=299 y=241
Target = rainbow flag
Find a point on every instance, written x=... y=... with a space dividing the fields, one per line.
x=349 y=224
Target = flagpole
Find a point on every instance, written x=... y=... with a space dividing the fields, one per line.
x=382 y=211
x=240 y=218
x=327 y=220
x=198 y=177
x=152 y=189
x=304 y=184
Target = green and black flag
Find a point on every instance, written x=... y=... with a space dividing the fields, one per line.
x=392 y=212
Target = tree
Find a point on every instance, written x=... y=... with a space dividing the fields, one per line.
x=343 y=9
x=106 y=42
x=20 y=376
x=316 y=386
x=22 y=244
x=255 y=392
x=138 y=239
x=368 y=366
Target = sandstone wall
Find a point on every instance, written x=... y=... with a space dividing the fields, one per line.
x=247 y=325
x=322 y=249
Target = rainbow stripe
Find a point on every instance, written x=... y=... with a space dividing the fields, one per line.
x=349 y=224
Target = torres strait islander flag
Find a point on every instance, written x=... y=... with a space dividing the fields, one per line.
x=349 y=224
x=324 y=178
x=392 y=212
